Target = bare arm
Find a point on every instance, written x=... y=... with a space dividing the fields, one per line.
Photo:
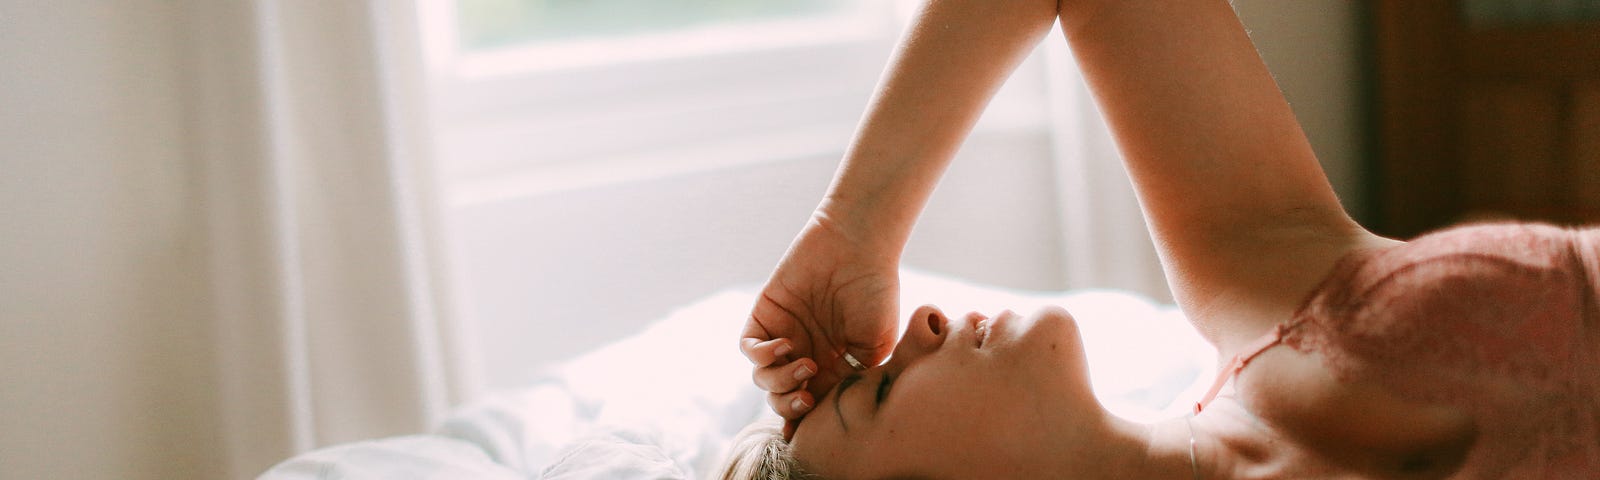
x=956 y=55
x=1242 y=214
x=836 y=289
x=1244 y=218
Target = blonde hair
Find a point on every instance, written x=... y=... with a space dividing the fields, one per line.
x=759 y=452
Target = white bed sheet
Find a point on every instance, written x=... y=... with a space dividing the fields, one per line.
x=662 y=404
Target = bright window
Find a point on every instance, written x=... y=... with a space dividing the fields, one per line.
x=607 y=160
x=485 y=24
x=541 y=94
x=600 y=168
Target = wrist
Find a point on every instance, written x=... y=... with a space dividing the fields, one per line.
x=865 y=226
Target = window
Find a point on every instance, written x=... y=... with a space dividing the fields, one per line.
x=599 y=170
x=586 y=158
x=486 y=24
x=543 y=94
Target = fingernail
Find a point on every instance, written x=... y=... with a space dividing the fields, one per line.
x=799 y=405
x=783 y=349
x=802 y=373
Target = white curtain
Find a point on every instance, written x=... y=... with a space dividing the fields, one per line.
x=309 y=128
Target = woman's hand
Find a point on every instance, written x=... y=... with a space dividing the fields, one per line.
x=829 y=295
x=837 y=289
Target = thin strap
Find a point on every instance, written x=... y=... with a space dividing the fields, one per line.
x=1238 y=363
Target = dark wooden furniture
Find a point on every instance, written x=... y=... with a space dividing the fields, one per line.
x=1482 y=119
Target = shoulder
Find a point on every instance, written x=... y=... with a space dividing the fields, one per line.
x=1535 y=245
x=1366 y=271
x=1473 y=300
x=1396 y=338
x=1356 y=423
x=1284 y=273
x=1459 y=272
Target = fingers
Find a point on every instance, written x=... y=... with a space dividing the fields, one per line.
x=765 y=353
x=793 y=405
x=775 y=373
x=785 y=378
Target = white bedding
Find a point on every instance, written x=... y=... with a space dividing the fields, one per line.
x=662 y=404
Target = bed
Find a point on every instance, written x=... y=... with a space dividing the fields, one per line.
x=663 y=403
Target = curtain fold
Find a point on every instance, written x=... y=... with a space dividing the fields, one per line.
x=309 y=127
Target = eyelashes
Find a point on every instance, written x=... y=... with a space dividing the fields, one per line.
x=883 y=387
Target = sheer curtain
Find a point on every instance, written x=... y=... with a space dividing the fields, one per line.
x=308 y=125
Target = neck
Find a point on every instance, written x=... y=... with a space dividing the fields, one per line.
x=1168 y=453
x=1128 y=449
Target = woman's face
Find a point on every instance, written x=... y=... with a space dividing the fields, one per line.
x=953 y=402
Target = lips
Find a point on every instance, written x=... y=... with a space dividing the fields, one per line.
x=981 y=331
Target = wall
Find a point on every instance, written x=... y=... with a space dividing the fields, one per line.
x=102 y=332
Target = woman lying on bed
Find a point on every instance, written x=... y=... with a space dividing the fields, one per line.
x=1468 y=353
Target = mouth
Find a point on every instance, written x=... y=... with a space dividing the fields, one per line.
x=981 y=331
x=983 y=326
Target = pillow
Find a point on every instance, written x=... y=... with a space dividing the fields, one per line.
x=678 y=390
x=420 y=457
x=619 y=454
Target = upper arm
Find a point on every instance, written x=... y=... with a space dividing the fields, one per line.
x=1242 y=214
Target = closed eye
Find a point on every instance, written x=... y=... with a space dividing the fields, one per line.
x=883 y=387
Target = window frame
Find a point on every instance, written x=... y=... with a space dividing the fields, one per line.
x=555 y=116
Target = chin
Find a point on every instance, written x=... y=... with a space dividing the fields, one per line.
x=1048 y=344
x=1050 y=328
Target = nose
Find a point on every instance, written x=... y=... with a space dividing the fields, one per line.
x=925 y=332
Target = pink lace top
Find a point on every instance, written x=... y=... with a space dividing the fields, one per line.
x=1500 y=320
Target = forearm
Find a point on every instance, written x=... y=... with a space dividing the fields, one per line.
x=947 y=67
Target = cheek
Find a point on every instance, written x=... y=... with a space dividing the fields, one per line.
x=969 y=432
x=971 y=407
x=1052 y=357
